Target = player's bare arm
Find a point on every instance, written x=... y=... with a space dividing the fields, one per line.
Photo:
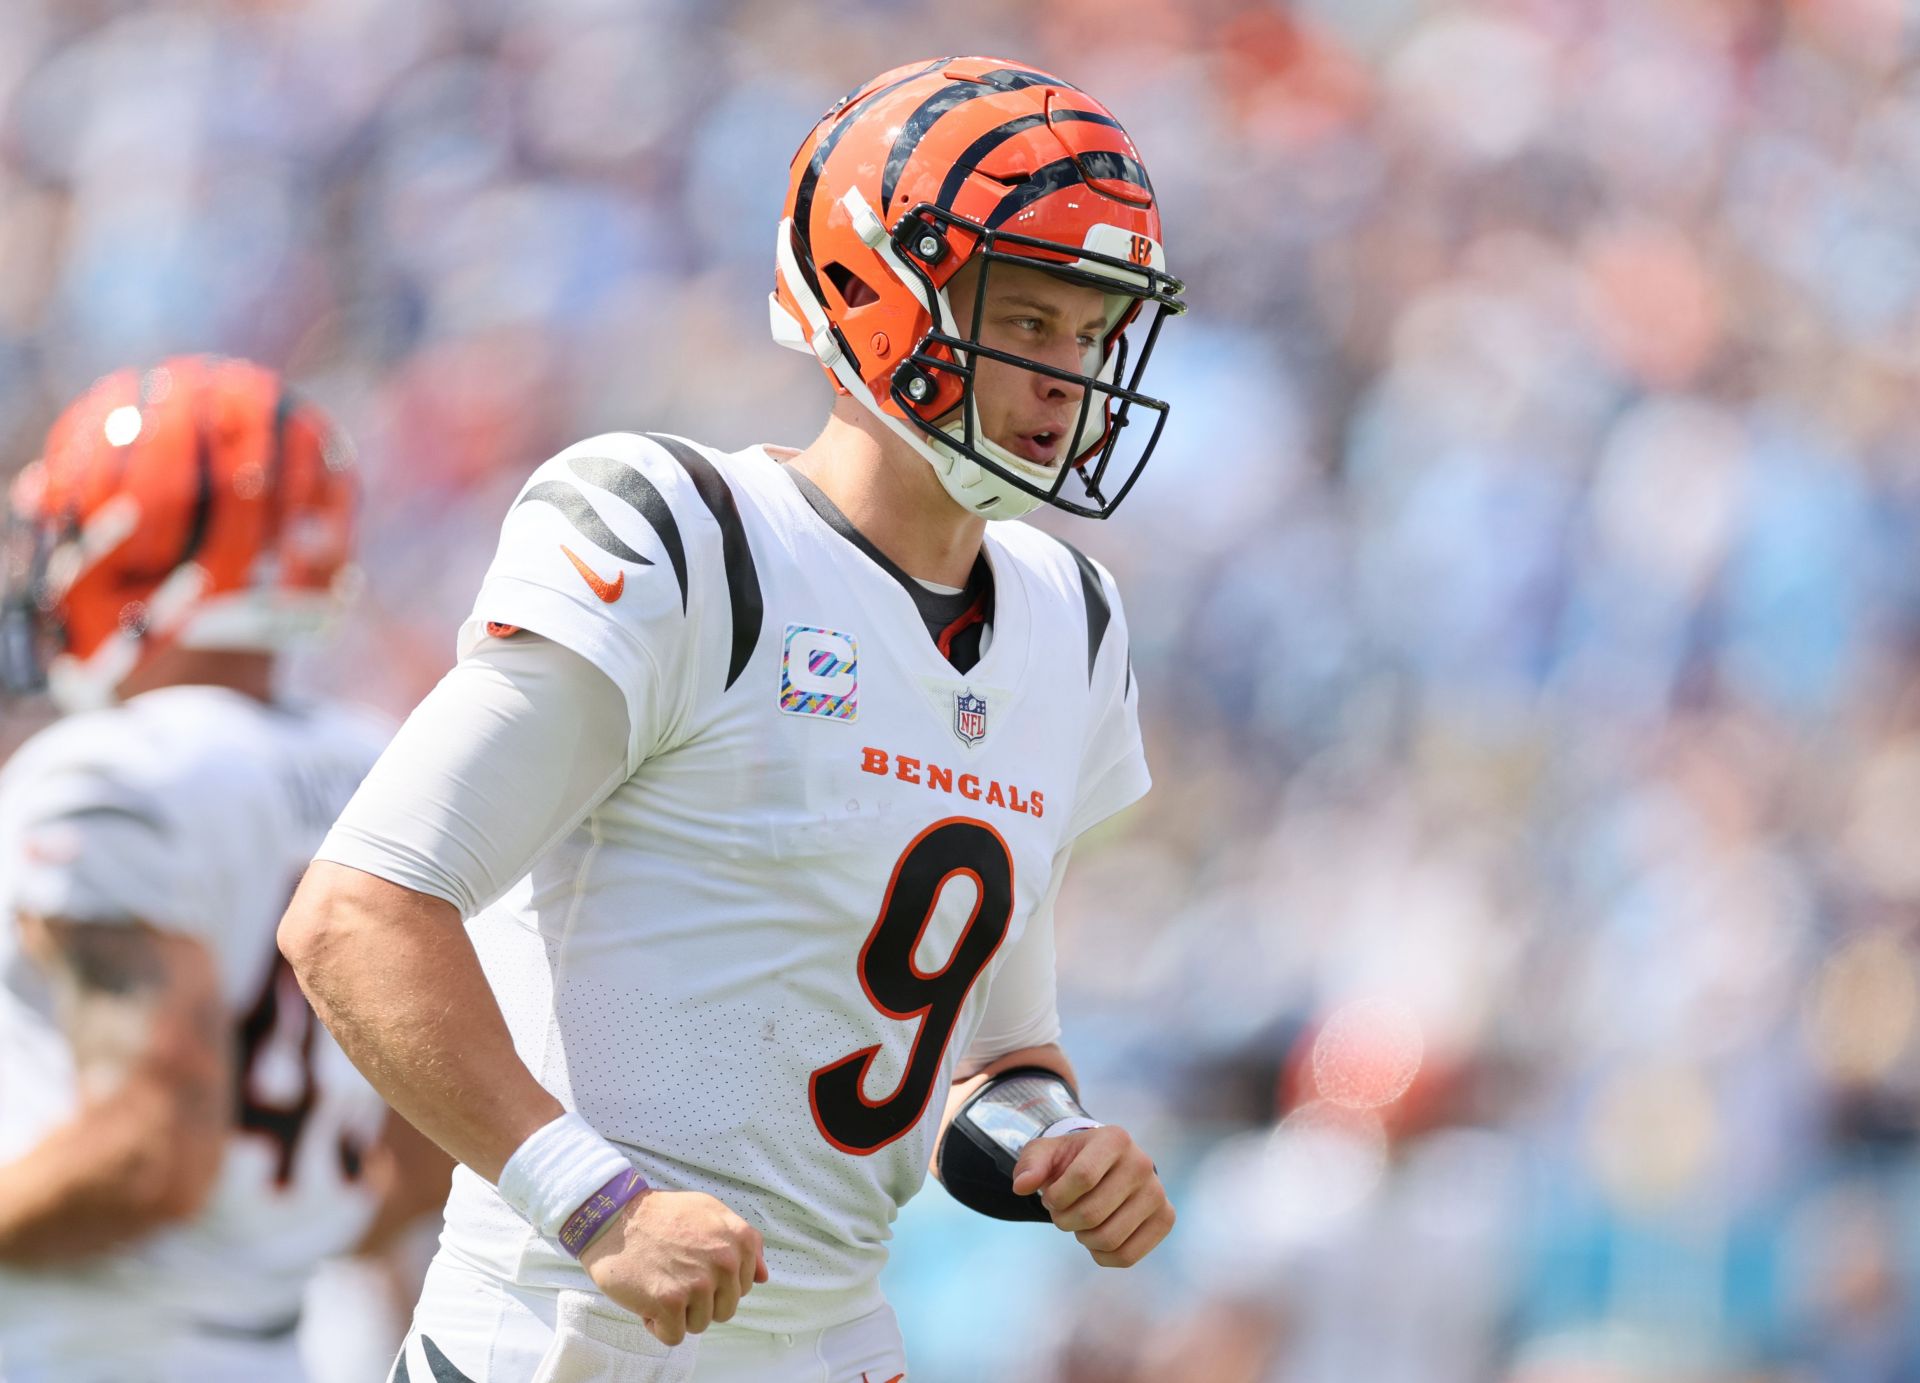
x=1095 y=1183
x=391 y=972
x=393 y=975
x=141 y=1009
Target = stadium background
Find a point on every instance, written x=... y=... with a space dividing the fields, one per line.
x=1525 y=597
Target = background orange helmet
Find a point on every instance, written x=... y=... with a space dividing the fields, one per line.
x=917 y=174
x=199 y=503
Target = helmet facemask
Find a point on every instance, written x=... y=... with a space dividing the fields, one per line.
x=1099 y=459
x=29 y=632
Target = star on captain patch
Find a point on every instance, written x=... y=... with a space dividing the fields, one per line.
x=969 y=717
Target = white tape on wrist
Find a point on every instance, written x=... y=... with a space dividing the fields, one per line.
x=1071 y=1124
x=552 y=1174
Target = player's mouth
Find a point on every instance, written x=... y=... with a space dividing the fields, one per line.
x=1041 y=448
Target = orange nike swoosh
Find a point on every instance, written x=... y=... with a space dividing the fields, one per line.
x=608 y=591
x=895 y=1379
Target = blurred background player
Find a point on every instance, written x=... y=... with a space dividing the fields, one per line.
x=795 y=745
x=180 y=1141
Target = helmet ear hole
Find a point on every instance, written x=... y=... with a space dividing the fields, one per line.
x=854 y=291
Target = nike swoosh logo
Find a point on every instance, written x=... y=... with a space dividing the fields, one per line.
x=608 y=591
x=897 y=1378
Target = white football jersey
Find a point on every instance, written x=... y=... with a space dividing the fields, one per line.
x=193 y=809
x=758 y=961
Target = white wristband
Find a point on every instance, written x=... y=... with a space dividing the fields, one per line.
x=551 y=1174
x=1071 y=1124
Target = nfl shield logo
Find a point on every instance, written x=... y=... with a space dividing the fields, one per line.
x=969 y=717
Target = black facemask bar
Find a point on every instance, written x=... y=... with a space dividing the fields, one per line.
x=921 y=239
x=26 y=625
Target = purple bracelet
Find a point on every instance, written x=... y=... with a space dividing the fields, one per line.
x=597 y=1209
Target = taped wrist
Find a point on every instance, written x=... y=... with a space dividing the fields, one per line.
x=568 y=1182
x=984 y=1141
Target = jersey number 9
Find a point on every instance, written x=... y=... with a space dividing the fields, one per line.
x=897 y=986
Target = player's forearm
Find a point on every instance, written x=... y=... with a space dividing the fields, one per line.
x=394 y=977
x=128 y=1163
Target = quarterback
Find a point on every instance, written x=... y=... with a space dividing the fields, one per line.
x=180 y=1141
x=755 y=784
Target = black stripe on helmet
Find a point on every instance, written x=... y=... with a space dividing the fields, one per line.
x=971 y=156
x=743 y=582
x=624 y=482
x=203 y=495
x=810 y=180
x=283 y=410
x=949 y=98
x=1100 y=163
x=582 y=515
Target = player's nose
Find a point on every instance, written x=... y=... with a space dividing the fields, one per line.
x=1054 y=389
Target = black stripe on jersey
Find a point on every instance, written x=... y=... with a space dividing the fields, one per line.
x=443 y=1369
x=622 y=480
x=743 y=583
x=929 y=111
x=1127 y=690
x=1101 y=163
x=994 y=138
x=582 y=515
x=146 y=821
x=399 y=1374
x=1099 y=613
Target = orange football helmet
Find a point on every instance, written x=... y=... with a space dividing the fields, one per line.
x=199 y=503
x=913 y=176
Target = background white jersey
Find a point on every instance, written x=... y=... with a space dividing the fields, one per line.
x=193 y=809
x=757 y=962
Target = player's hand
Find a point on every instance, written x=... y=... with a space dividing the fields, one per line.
x=679 y=1260
x=1098 y=1184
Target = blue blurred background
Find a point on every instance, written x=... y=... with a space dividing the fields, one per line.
x=1514 y=969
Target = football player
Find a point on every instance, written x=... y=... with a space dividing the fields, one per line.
x=757 y=778
x=180 y=1141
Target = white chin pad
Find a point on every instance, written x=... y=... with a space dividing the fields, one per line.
x=979 y=489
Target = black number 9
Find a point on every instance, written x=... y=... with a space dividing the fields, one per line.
x=901 y=990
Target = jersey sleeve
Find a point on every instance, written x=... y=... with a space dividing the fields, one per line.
x=595 y=555
x=91 y=841
x=504 y=757
x=1114 y=766
x=1022 y=1008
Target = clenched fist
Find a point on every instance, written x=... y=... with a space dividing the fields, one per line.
x=679 y=1260
x=1099 y=1185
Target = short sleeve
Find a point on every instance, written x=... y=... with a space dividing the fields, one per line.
x=505 y=756
x=1114 y=766
x=594 y=555
x=1022 y=1008
x=90 y=845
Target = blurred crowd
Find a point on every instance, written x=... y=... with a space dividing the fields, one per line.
x=1515 y=968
